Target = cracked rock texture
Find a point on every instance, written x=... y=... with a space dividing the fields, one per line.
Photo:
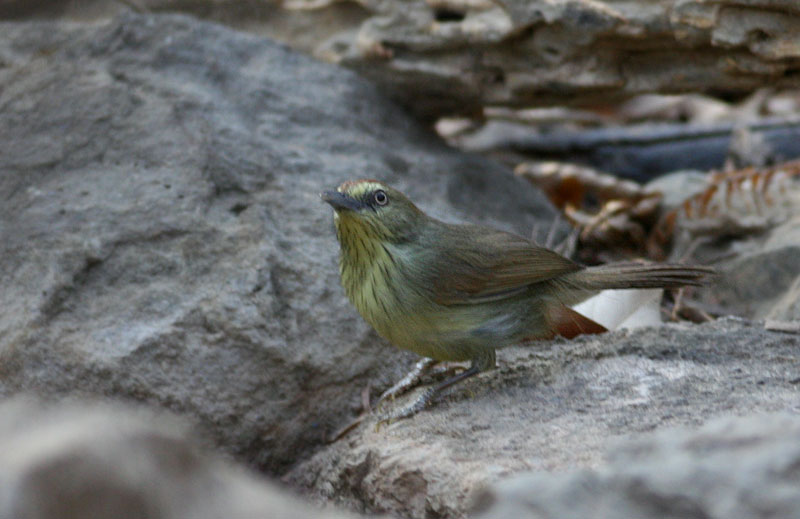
x=80 y=461
x=732 y=468
x=161 y=234
x=443 y=57
x=557 y=409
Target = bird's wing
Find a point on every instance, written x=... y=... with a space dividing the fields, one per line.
x=480 y=264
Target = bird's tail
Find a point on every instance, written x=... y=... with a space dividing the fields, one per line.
x=638 y=275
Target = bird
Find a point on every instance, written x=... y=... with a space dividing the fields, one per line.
x=459 y=292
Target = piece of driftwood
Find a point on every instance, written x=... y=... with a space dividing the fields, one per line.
x=457 y=56
x=644 y=151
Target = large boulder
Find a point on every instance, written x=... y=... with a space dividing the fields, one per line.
x=554 y=409
x=161 y=234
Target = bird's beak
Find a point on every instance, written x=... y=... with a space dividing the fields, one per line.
x=341 y=201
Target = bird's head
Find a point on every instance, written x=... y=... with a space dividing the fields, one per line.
x=371 y=210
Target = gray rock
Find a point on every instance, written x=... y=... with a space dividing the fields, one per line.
x=759 y=278
x=554 y=409
x=729 y=469
x=787 y=308
x=80 y=461
x=161 y=234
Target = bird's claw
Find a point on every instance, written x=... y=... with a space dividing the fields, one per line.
x=411 y=380
x=423 y=401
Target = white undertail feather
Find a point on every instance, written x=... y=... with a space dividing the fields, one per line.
x=629 y=308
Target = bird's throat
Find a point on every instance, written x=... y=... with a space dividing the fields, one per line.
x=367 y=270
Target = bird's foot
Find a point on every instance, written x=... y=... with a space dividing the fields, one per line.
x=423 y=401
x=409 y=382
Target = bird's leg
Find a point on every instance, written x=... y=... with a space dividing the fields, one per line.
x=425 y=399
x=404 y=385
x=484 y=362
x=410 y=381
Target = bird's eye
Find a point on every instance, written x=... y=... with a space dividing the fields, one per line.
x=380 y=197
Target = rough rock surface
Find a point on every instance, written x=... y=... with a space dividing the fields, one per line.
x=83 y=461
x=456 y=56
x=732 y=468
x=161 y=234
x=760 y=275
x=554 y=410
